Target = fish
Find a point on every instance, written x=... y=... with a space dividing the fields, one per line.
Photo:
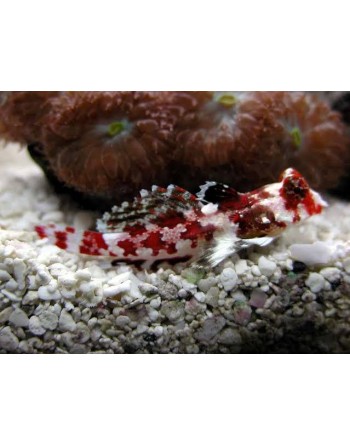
x=173 y=225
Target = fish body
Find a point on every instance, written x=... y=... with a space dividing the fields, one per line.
x=174 y=225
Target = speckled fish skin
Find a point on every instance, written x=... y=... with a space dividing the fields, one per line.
x=174 y=225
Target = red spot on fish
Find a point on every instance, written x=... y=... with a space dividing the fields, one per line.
x=41 y=231
x=195 y=229
x=129 y=247
x=239 y=203
x=155 y=242
x=61 y=239
x=170 y=222
x=310 y=205
x=93 y=243
x=135 y=230
x=171 y=248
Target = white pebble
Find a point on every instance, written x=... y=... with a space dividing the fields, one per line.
x=11 y=296
x=83 y=274
x=35 y=326
x=11 y=285
x=158 y=331
x=19 y=269
x=5 y=314
x=122 y=321
x=331 y=274
x=48 y=293
x=207 y=283
x=30 y=297
x=48 y=319
x=68 y=306
x=289 y=264
x=24 y=346
x=212 y=297
x=238 y=296
x=31 y=282
x=82 y=332
x=266 y=266
x=43 y=276
x=8 y=251
x=229 y=279
x=181 y=283
x=8 y=341
x=76 y=314
x=346 y=264
x=113 y=291
x=147 y=288
x=56 y=309
x=95 y=333
x=19 y=318
x=141 y=329
x=156 y=302
x=92 y=322
x=66 y=322
x=315 y=282
x=120 y=278
x=153 y=314
x=67 y=280
x=67 y=338
x=241 y=266
x=311 y=254
x=4 y=276
x=57 y=270
x=86 y=314
x=200 y=296
x=255 y=270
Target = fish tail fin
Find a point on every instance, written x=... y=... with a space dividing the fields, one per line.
x=72 y=240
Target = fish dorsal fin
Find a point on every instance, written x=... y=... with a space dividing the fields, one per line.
x=160 y=206
x=225 y=196
x=214 y=192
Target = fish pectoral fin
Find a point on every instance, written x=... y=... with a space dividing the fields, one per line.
x=223 y=246
x=226 y=245
x=256 y=241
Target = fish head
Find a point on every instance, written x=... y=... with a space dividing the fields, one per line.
x=274 y=207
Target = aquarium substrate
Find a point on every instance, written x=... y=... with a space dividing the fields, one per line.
x=291 y=296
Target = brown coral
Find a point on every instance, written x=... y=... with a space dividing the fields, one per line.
x=21 y=114
x=340 y=101
x=111 y=144
x=314 y=139
x=246 y=139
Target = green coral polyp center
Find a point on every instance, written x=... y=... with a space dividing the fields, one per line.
x=296 y=136
x=227 y=100
x=115 y=128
